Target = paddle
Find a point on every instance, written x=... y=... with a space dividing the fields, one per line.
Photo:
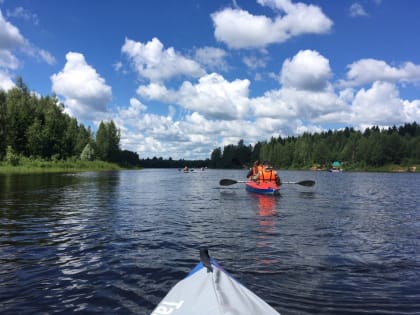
x=307 y=183
x=227 y=182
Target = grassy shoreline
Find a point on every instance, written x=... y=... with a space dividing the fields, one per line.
x=39 y=166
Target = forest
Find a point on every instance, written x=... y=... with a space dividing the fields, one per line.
x=35 y=127
x=372 y=148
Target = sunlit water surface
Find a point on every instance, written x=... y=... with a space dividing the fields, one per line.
x=117 y=242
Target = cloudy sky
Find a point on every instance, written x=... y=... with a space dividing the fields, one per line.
x=181 y=78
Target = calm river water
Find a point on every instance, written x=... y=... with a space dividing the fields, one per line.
x=116 y=242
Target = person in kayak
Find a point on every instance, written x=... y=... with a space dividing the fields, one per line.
x=253 y=172
x=267 y=174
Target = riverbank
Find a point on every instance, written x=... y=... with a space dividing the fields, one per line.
x=40 y=166
x=389 y=168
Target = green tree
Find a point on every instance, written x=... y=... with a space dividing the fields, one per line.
x=83 y=137
x=229 y=154
x=88 y=153
x=35 y=139
x=376 y=145
x=102 y=142
x=349 y=151
x=12 y=157
x=114 y=135
x=372 y=147
x=244 y=152
x=54 y=129
x=321 y=153
x=19 y=116
x=216 y=158
x=108 y=141
x=415 y=150
x=302 y=151
x=128 y=158
x=286 y=157
x=70 y=137
x=3 y=124
x=255 y=154
x=394 y=148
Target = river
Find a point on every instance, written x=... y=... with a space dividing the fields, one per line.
x=116 y=242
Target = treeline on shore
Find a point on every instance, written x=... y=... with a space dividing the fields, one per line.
x=35 y=128
x=170 y=163
x=372 y=148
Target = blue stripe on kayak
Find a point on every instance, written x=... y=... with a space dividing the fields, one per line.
x=200 y=266
x=215 y=264
x=264 y=191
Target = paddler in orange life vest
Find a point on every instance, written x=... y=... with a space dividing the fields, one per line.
x=267 y=174
x=254 y=170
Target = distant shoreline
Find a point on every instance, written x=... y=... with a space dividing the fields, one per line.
x=40 y=166
x=392 y=168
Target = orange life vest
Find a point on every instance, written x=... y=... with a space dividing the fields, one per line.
x=267 y=175
x=256 y=169
x=254 y=172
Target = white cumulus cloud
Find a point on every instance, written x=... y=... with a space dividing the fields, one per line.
x=85 y=91
x=156 y=91
x=378 y=105
x=23 y=13
x=155 y=63
x=8 y=60
x=216 y=97
x=367 y=71
x=211 y=57
x=11 y=40
x=212 y=96
x=6 y=82
x=10 y=37
x=238 y=28
x=217 y=112
x=356 y=9
x=307 y=70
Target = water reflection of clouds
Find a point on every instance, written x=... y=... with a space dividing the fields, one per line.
x=90 y=227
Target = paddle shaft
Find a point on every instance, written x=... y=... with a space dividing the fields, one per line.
x=307 y=183
x=227 y=182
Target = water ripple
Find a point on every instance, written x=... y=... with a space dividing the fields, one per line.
x=117 y=242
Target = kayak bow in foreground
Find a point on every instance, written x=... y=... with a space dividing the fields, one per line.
x=210 y=290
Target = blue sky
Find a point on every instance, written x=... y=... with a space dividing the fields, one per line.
x=181 y=78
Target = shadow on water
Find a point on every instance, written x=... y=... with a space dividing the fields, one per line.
x=307 y=194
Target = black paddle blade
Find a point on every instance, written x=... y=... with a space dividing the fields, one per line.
x=227 y=182
x=307 y=183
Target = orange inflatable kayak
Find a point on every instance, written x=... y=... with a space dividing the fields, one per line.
x=264 y=188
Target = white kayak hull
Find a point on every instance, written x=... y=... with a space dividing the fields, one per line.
x=215 y=292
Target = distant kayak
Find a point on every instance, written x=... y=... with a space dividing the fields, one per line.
x=264 y=188
x=209 y=290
